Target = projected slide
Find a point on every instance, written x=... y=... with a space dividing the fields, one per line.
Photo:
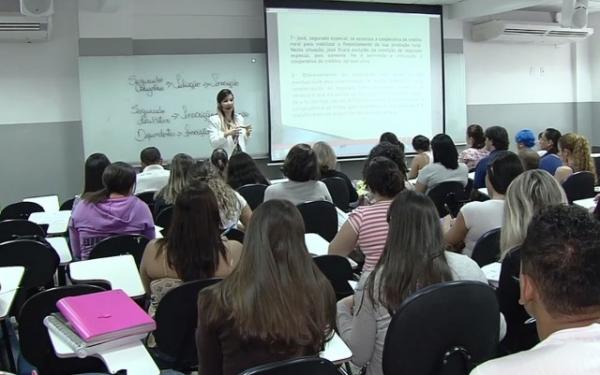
x=345 y=77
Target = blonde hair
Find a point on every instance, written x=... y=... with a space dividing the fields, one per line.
x=581 y=151
x=527 y=194
x=178 y=178
x=325 y=156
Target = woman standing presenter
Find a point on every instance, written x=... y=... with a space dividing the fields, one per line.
x=227 y=128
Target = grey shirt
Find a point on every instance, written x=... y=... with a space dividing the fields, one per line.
x=298 y=192
x=365 y=332
x=434 y=174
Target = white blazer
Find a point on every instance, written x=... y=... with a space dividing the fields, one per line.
x=217 y=139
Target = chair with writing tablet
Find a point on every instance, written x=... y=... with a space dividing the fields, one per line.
x=487 y=248
x=20 y=210
x=176 y=321
x=339 y=192
x=67 y=205
x=579 y=185
x=40 y=261
x=163 y=219
x=338 y=271
x=295 y=366
x=119 y=245
x=254 y=194
x=443 y=329
x=35 y=342
x=448 y=197
x=320 y=217
x=17 y=228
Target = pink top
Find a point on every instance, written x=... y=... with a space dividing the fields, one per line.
x=370 y=223
x=471 y=156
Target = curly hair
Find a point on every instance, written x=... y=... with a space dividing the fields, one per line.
x=229 y=205
x=580 y=149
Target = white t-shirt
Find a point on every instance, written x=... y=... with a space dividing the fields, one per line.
x=434 y=174
x=572 y=351
x=153 y=178
x=481 y=217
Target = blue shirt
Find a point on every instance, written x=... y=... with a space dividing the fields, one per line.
x=549 y=163
x=481 y=171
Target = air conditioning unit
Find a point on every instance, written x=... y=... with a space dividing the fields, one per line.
x=25 y=29
x=521 y=32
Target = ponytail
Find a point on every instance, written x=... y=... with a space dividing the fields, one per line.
x=582 y=156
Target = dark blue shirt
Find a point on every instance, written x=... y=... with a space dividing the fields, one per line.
x=481 y=171
x=549 y=162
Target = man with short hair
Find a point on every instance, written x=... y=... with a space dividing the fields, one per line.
x=560 y=288
x=496 y=139
x=153 y=176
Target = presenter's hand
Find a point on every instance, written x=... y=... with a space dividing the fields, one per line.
x=248 y=129
x=233 y=132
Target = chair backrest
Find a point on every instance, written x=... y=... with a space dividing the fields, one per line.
x=448 y=194
x=148 y=198
x=338 y=271
x=20 y=210
x=176 y=321
x=163 y=219
x=519 y=334
x=339 y=192
x=40 y=262
x=33 y=335
x=119 y=245
x=487 y=248
x=320 y=217
x=234 y=235
x=67 y=205
x=254 y=194
x=579 y=185
x=295 y=366
x=443 y=329
x=15 y=228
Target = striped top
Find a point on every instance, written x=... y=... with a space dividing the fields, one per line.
x=370 y=223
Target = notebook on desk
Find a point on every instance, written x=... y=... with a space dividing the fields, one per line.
x=104 y=316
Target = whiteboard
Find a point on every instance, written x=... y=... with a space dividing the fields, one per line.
x=132 y=102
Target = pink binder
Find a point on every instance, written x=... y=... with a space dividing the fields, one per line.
x=104 y=316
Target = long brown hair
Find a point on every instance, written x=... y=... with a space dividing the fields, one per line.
x=194 y=244
x=276 y=295
x=178 y=178
x=413 y=256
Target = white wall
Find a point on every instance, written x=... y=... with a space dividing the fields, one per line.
x=594 y=47
x=40 y=81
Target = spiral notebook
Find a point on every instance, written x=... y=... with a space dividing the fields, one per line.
x=104 y=316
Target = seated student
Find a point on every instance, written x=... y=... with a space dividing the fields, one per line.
x=110 y=211
x=327 y=161
x=575 y=153
x=526 y=195
x=550 y=160
x=445 y=167
x=413 y=258
x=219 y=159
x=529 y=158
x=423 y=158
x=477 y=218
x=233 y=208
x=193 y=248
x=367 y=226
x=391 y=138
x=153 y=176
x=179 y=177
x=275 y=305
x=560 y=288
x=496 y=139
x=301 y=168
x=525 y=139
x=242 y=170
x=95 y=165
x=395 y=154
x=476 y=150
